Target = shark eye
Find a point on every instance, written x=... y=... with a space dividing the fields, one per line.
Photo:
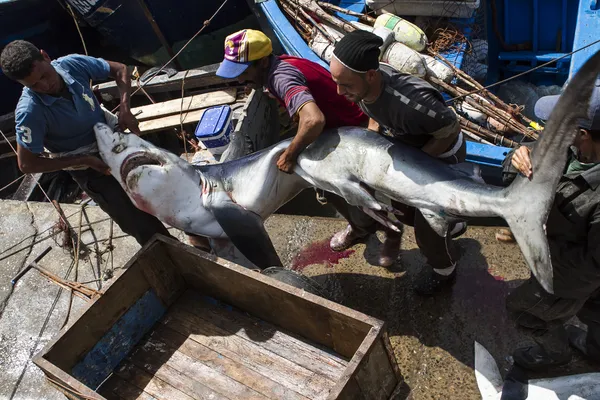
x=118 y=148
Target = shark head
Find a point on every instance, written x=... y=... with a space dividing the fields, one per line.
x=157 y=181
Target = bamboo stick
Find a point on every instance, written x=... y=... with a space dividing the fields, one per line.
x=476 y=85
x=485 y=133
x=509 y=120
x=364 y=17
x=477 y=138
x=296 y=16
x=311 y=5
x=296 y=6
x=485 y=108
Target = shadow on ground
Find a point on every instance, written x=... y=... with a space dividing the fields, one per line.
x=430 y=334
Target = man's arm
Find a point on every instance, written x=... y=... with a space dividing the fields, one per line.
x=31 y=163
x=310 y=125
x=436 y=146
x=121 y=76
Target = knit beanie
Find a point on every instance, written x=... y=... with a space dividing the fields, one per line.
x=358 y=51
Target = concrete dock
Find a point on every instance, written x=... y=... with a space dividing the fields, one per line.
x=432 y=337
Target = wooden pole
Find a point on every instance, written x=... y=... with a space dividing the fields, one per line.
x=364 y=17
x=296 y=17
x=311 y=5
x=312 y=21
x=486 y=134
x=476 y=85
x=487 y=109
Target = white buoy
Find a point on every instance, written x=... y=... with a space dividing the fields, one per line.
x=404 y=31
x=437 y=69
x=322 y=47
x=387 y=35
x=404 y=59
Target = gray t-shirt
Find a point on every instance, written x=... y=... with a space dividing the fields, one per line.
x=410 y=109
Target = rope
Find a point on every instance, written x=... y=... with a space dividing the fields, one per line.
x=39 y=186
x=16 y=180
x=204 y=25
x=524 y=73
x=183 y=134
x=78 y=29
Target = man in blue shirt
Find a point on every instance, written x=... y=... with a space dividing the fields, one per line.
x=55 y=119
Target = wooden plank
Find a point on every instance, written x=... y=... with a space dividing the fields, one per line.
x=154 y=386
x=117 y=388
x=65 y=380
x=189 y=103
x=162 y=275
x=341 y=389
x=156 y=367
x=253 y=356
x=375 y=376
x=171 y=121
x=351 y=391
x=265 y=335
x=385 y=339
x=194 y=78
x=64 y=351
x=319 y=320
x=236 y=370
x=87 y=330
x=154 y=357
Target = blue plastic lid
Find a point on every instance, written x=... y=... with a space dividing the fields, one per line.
x=213 y=121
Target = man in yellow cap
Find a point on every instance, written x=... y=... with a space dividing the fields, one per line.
x=303 y=87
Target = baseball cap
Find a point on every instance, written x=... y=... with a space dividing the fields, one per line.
x=241 y=48
x=545 y=105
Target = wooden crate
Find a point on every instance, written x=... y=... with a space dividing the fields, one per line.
x=179 y=323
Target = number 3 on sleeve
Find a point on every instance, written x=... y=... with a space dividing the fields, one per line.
x=25 y=134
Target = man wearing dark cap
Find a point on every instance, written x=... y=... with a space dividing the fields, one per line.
x=303 y=87
x=410 y=110
x=573 y=230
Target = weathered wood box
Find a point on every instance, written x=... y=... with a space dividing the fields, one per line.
x=179 y=323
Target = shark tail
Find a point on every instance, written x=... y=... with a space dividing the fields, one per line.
x=487 y=374
x=527 y=203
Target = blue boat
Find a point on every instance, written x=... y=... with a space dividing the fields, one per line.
x=42 y=22
x=152 y=31
x=522 y=34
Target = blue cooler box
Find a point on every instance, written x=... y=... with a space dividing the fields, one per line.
x=214 y=129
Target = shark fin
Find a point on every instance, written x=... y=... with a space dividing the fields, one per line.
x=246 y=231
x=487 y=374
x=527 y=203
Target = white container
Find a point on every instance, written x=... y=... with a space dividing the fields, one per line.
x=387 y=35
x=322 y=47
x=426 y=8
x=404 y=59
x=437 y=69
x=404 y=31
x=332 y=31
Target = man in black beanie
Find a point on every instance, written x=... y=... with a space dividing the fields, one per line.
x=412 y=111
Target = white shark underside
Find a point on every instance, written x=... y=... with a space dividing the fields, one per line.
x=570 y=387
x=231 y=200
